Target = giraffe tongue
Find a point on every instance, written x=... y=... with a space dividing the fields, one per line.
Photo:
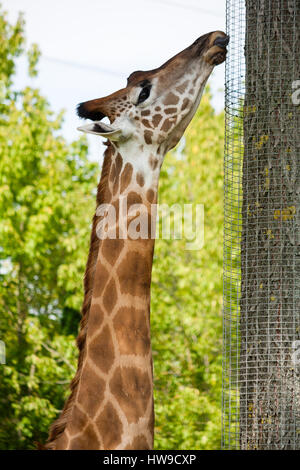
x=99 y=128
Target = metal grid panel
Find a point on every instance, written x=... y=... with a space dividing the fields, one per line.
x=261 y=325
x=233 y=164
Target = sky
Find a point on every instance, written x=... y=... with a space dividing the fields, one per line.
x=89 y=47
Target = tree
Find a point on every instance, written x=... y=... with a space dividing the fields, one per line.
x=269 y=378
x=46 y=204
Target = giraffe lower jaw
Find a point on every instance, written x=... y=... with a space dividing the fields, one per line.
x=215 y=55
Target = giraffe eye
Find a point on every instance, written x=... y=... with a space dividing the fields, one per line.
x=144 y=94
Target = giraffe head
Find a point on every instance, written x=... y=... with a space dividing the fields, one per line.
x=156 y=106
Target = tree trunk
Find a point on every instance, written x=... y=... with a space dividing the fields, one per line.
x=270 y=291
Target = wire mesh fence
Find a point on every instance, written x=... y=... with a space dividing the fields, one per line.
x=261 y=327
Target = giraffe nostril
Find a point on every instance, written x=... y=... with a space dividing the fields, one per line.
x=221 y=41
x=85 y=112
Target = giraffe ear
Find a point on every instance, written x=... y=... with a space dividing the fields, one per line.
x=99 y=128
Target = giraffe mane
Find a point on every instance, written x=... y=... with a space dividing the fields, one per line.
x=58 y=427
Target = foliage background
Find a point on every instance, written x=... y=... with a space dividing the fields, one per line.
x=47 y=199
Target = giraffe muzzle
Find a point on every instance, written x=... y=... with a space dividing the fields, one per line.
x=216 y=54
x=222 y=41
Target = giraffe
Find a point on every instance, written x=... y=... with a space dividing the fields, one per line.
x=111 y=402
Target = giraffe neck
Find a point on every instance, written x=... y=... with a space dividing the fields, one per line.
x=113 y=402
